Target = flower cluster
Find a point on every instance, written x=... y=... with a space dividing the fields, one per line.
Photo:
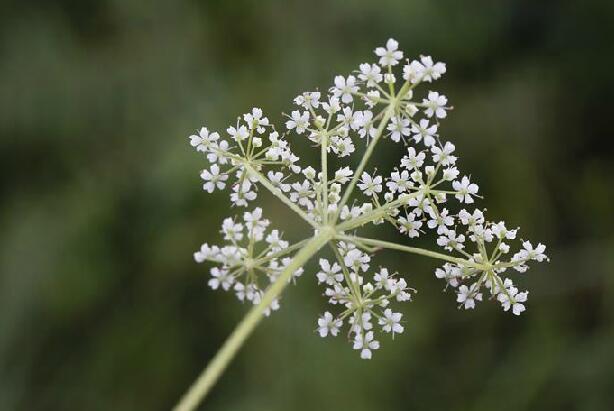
x=249 y=259
x=362 y=302
x=252 y=139
x=424 y=192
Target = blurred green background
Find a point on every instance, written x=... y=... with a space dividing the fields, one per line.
x=101 y=304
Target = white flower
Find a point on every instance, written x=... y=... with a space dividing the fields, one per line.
x=277 y=178
x=297 y=273
x=255 y=121
x=220 y=277
x=309 y=99
x=468 y=296
x=361 y=323
x=450 y=173
x=389 y=56
x=275 y=241
x=504 y=248
x=398 y=128
x=356 y=260
x=343 y=175
x=435 y=105
x=238 y=134
x=518 y=307
x=327 y=324
x=255 y=223
x=361 y=119
x=298 y=121
x=371 y=74
x=242 y=193
x=277 y=148
x=412 y=72
x=464 y=190
x=243 y=292
x=413 y=160
x=347 y=212
x=422 y=130
x=309 y=172
x=450 y=241
x=469 y=219
x=409 y=225
x=399 y=181
x=329 y=274
x=451 y=273
x=213 y=179
x=426 y=70
x=391 y=322
x=480 y=232
x=383 y=279
x=338 y=294
x=440 y=220
x=232 y=231
x=371 y=98
x=274 y=306
x=344 y=88
x=216 y=152
x=346 y=117
x=530 y=253
x=205 y=253
x=364 y=121
x=289 y=160
x=332 y=106
x=203 y=140
x=302 y=194
x=343 y=147
x=501 y=232
x=365 y=344
x=511 y=298
x=399 y=290
x=370 y=185
x=443 y=155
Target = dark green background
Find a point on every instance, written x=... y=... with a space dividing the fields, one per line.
x=101 y=304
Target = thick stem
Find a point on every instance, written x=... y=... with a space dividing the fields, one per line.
x=218 y=364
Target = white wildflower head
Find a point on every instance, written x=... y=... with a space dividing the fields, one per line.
x=423 y=193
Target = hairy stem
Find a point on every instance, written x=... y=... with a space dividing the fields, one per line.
x=227 y=352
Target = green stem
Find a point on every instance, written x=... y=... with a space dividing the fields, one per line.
x=365 y=158
x=376 y=213
x=324 y=181
x=227 y=352
x=389 y=111
x=413 y=250
x=277 y=193
x=355 y=290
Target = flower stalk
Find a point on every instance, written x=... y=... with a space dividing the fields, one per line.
x=198 y=391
